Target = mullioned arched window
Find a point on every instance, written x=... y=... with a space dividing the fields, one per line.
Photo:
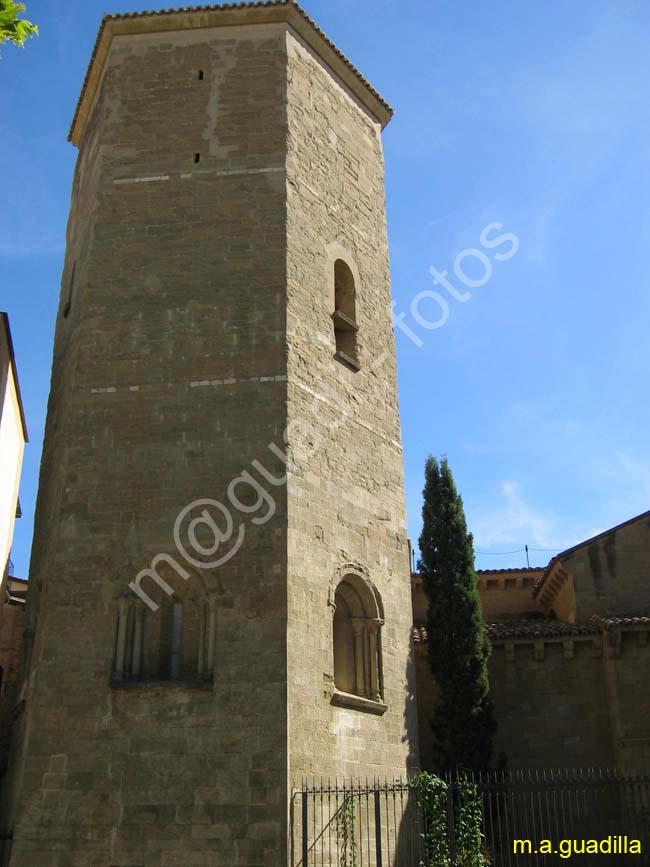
x=174 y=643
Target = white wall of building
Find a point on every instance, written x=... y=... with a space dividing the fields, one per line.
x=12 y=446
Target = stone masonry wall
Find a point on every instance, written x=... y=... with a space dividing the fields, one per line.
x=574 y=703
x=550 y=704
x=507 y=593
x=627 y=678
x=346 y=501
x=12 y=623
x=611 y=574
x=169 y=378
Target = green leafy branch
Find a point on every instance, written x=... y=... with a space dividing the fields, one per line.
x=431 y=796
x=14 y=29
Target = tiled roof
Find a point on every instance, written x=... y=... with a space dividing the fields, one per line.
x=539 y=628
x=507 y=630
x=224 y=7
x=532 y=628
x=509 y=571
x=617 y=621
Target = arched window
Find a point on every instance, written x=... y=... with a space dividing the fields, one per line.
x=357 y=639
x=344 y=316
x=176 y=642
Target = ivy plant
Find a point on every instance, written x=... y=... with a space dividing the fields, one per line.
x=435 y=798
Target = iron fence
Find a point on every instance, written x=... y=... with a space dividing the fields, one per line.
x=528 y=819
x=555 y=814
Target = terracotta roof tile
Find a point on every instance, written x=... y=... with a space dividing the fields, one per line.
x=507 y=630
x=617 y=621
x=539 y=628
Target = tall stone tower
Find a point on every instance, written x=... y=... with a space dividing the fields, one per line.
x=203 y=631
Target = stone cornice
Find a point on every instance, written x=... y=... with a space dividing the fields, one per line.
x=547 y=587
x=202 y=17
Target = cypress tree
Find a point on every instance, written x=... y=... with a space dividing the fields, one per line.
x=463 y=723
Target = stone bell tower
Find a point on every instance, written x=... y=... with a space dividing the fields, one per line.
x=219 y=595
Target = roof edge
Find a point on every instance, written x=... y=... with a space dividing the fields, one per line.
x=552 y=562
x=222 y=15
x=510 y=570
x=14 y=370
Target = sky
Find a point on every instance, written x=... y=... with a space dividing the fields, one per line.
x=532 y=375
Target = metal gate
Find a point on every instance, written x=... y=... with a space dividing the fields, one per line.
x=356 y=824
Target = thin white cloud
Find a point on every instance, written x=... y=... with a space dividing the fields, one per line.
x=636 y=472
x=513 y=520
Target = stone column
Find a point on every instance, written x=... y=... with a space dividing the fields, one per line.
x=201 y=662
x=123 y=616
x=373 y=630
x=212 y=625
x=136 y=665
x=358 y=626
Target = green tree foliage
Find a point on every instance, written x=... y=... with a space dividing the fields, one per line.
x=463 y=723
x=12 y=28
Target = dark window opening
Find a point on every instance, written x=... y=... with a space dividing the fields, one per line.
x=197 y=158
x=200 y=75
x=68 y=303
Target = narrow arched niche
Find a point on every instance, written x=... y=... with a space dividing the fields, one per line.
x=344 y=316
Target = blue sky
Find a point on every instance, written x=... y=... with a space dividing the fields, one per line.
x=532 y=115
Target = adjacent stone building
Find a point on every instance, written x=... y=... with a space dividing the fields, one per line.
x=570 y=664
x=202 y=631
